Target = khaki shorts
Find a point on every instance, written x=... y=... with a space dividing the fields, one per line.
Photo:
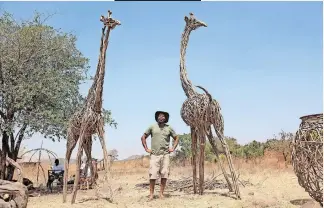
x=159 y=166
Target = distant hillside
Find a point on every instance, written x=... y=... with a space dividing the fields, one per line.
x=134 y=157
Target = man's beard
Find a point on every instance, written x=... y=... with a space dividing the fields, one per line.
x=161 y=122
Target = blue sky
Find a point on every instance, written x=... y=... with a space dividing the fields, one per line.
x=261 y=60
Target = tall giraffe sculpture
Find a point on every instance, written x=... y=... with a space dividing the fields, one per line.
x=89 y=119
x=201 y=112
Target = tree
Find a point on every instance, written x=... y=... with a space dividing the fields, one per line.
x=114 y=154
x=40 y=73
x=281 y=143
x=184 y=151
x=253 y=150
x=185 y=144
x=232 y=143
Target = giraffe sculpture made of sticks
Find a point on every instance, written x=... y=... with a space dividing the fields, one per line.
x=89 y=119
x=201 y=112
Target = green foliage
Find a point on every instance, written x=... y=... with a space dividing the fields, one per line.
x=184 y=151
x=281 y=143
x=41 y=69
x=40 y=73
x=251 y=150
x=209 y=153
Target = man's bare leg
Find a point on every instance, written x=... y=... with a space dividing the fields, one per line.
x=163 y=184
x=152 y=184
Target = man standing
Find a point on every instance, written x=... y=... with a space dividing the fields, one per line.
x=160 y=133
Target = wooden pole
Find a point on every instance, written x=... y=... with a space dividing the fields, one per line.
x=39 y=159
x=194 y=158
x=202 y=140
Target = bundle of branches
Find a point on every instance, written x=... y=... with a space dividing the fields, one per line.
x=186 y=184
x=13 y=194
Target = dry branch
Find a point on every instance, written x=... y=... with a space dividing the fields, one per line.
x=186 y=184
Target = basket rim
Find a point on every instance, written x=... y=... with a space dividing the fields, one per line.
x=317 y=114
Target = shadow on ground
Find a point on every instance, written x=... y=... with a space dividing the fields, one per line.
x=306 y=203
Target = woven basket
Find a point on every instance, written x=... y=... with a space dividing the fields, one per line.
x=307 y=155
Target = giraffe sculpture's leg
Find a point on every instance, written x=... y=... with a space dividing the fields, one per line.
x=81 y=181
x=101 y=133
x=77 y=175
x=194 y=157
x=220 y=162
x=87 y=150
x=78 y=162
x=229 y=160
x=202 y=140
x=70 y=145
x=86 y=167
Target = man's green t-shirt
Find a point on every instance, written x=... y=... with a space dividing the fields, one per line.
x=160 y=138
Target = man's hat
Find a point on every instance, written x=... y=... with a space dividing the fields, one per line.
x=165 y=114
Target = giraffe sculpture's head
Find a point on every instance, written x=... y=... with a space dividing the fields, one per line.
x=193 y=23
x=109 y=21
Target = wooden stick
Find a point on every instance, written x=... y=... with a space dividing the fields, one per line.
x=201 y=161
x=194 y=162
x=230 y=163
x=219 y=161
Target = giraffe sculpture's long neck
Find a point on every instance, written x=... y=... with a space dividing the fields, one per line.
x=101 y=72
x=95 y=92
x=185 y=82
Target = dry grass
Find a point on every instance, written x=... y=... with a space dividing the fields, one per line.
x=273 y=186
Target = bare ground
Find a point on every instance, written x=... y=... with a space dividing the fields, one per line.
x=268 y=188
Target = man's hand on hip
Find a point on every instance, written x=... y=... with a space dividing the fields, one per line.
x=148 y=151
x=171 y=150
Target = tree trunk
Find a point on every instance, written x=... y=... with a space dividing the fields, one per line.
x=5 y=143
x=10 y=168
x=14 y=151
x=285 y=155
x=4 y=153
